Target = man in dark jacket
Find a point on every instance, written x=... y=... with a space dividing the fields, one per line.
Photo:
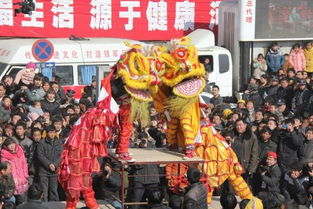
x=49 y=155
x=155 y=199
x=289 y=145
x=266 y=144
x=285 y=92
x=270 y=175
x=301 y=100
x=49 y=103
x=306 y=150
x=34 y=198
x=196 y=195
x=246 y=148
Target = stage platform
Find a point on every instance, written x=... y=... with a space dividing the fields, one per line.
x=104 y=205
x=155 y=156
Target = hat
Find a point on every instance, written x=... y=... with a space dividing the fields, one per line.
x=227 y=112
x=274 y=78
x=301 y=82
x=272 y=154
x=281 y=102
x=50 y=128
x=31 y=65
x=241 y=101
x=70 y=93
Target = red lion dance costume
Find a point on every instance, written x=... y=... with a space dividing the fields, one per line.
x=131 y=82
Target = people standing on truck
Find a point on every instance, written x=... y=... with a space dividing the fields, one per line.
x=308 y=53
x=260 y=66
x=297 y=58
x=274 y=58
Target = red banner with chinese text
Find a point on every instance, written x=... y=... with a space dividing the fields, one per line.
x=132 y=19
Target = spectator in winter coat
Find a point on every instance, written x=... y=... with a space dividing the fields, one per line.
x=13 y=153
x=301 y=100
x=274 y=58
x=246 y=148
x=273 y=88
x=266 y=145
x=49 y=156
x=297 y=58
x=49 y=104
x=289 y=146
x=259 y=66
x=270 y=175
x=308 y=53
x=285 y=92
x=2 y=91
x=306 y=150
x=5 y=109
x=21 y=138
x=36 y=135
x=216 y=99
x=36 y=93
x=196 y=195
x=6 y=181
x=293 y=184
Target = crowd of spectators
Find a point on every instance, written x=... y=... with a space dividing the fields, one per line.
x=270 y=129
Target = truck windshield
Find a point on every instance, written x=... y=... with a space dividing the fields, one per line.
x=207 y=61
x=2 y=67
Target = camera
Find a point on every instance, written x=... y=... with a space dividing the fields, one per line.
x=264 y=168
x=26 y=7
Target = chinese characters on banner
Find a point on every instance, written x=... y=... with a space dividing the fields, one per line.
x=134 y=19
x=249 y=11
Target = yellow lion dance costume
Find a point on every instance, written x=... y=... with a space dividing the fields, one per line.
x=178 y=99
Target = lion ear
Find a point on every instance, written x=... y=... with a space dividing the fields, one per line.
x=134 y=46
x=184 y=40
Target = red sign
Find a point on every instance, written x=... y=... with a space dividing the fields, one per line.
x=133 y=19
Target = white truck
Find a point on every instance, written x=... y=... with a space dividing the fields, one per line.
x=75 y=61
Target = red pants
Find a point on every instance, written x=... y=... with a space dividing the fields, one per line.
x=126 y=127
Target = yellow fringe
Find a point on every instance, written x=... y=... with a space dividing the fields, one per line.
x=140 y=112
x=179 y=105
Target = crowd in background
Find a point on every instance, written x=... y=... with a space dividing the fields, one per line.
x=270 y=129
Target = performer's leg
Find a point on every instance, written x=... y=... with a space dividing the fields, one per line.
x=189 y=135
x=71 y=202
x=240 y=186
x=171 y=132
x=125 y=132
x=90 y=199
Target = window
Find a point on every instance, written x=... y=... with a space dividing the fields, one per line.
x=14 y=70
x=86 y=73
x=207 y=61
x=65 y=73
x=223 y=61
x=2 y=67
